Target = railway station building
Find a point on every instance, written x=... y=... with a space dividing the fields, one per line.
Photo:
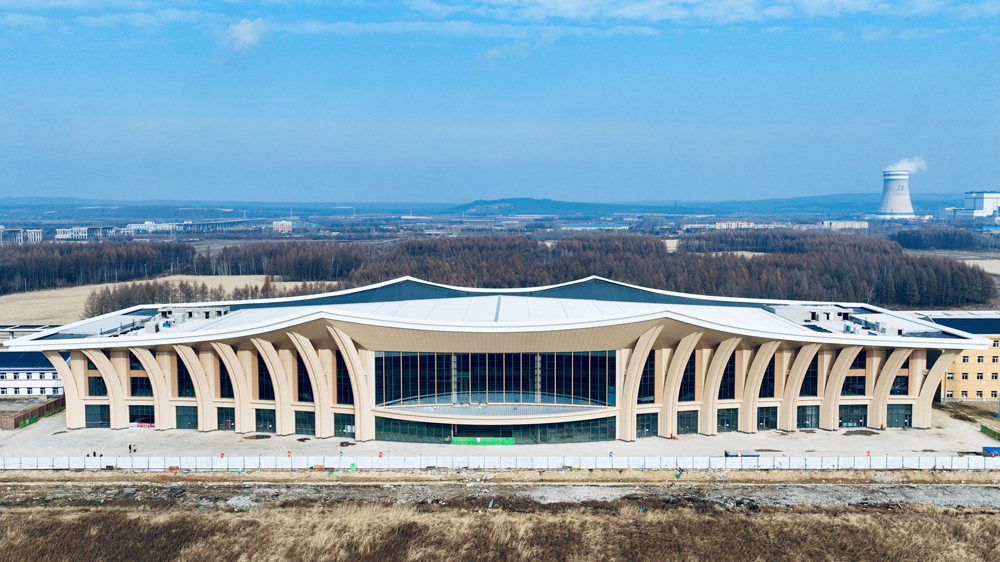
x=409 y=360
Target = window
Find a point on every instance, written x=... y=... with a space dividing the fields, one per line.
x=225 y=383
x=141 y=386
x=810 y=384
x=860 y=360
x=17 y=376
x=97 y=415
x=949 y=394
x=965 y=376
x=727 y=387
x=979 y=359
x=979 y=394
x=767 y=384
x=965 y=359
x=965 y=394
x=853 y=415
x=647 y=382
x=950 y=376
x=994 y=376
x=134 y=363
x=686 y=393
x=996 y=359
x=979 y=376
x=265 y=420
x=91 y=366
x=853 y=386
x=808 y=417
x=305 y=385
x=265 y=389
x=993 y=394
x=141 y=414
x=343 y=425
x=345 y=394
x=687 y=422
x=305 y=423
x=728 y=420
x=900 y=386
x=96 y=387
x=767 y=418
x=187 y=417
x=226 y=418
x=647 y=425
x=185 y=386
x=899 y=415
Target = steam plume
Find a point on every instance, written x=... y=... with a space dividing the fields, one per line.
x=912 y=165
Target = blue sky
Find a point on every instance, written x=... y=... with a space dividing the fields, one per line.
x=450 y=100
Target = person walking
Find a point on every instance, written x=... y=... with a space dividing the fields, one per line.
x=130 y=449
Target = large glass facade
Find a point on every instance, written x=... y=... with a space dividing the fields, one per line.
x=767 y=418
x=807 y=417
x=407 y=379
x=687 y=422
x=728 y=419
x=187 y=417
x=899 y=415
x=96 y=386
x=226 y=418
x=571 y=432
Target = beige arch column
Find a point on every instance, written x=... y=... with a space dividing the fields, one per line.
x=75 y=414
x=788 y=410
x=320 y=379
x=672 y=383
x=116 y=395
x=708 y=416
x=883 y=384
x=829 y=408
x=245 y=421
x=751 y=390
x=284 y=416
x=161 y=392
x=630 y=395
x=922 y=406
x=364 y=418
x=202 y=388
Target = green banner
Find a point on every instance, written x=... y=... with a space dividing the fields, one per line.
x=482 y=440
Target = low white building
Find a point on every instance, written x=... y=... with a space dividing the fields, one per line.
x=28 y=373
x=845 y=225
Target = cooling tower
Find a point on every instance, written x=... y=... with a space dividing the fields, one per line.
x=895 y=195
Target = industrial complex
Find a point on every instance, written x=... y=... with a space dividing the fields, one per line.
x=591 y=360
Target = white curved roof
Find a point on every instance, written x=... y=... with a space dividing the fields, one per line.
x=412 y=304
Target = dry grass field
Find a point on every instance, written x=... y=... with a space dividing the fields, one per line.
x=62 y=306
x=510 y=530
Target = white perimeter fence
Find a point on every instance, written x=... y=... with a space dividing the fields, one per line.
x=220 y=464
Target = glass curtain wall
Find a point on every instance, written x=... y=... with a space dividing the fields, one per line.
x=407 y=379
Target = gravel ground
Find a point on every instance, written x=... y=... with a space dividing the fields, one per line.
x=248 y=495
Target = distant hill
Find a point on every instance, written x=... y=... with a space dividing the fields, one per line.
x=835 y=204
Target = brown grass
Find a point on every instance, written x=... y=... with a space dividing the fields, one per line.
x=627 y=530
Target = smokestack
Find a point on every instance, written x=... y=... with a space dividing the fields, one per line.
x=895 y=195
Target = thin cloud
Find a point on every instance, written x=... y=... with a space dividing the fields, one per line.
x=244 y=35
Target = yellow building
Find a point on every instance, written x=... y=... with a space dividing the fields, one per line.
x=974 y=374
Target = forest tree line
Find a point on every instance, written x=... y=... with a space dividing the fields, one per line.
x=796 y=265
x=126 y=295
x=29 y=267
